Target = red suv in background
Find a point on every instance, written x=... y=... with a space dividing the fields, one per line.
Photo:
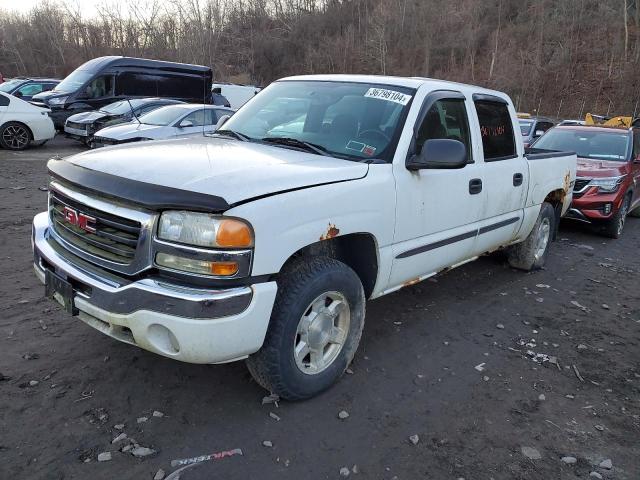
x=607 y=184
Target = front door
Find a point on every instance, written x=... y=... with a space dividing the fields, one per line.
x=437 y=210
x=199 y=122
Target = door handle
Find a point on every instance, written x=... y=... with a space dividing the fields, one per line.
x=517 y=179
x=475 y=186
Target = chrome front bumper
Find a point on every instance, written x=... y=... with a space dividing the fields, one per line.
x=193 y=325
x=118 y=296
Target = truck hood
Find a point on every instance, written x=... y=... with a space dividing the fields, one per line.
x=591 y=168
x=227 y=168
x=133 y=129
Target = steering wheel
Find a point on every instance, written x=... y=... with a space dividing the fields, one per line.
x=374 y=133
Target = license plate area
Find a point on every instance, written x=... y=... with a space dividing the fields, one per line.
x=60 y=290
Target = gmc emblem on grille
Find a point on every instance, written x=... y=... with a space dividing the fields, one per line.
x=80 y=220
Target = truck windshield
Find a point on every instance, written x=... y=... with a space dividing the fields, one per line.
x=74 y=81
x=357 y=121
x=597 y=145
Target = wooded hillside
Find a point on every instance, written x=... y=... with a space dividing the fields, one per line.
x=563 y=57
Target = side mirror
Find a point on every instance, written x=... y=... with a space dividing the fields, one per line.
x=222 y=121
x=185 y=124
x=439 y=153
x=538 y=133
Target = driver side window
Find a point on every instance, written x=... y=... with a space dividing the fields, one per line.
x=446 y=119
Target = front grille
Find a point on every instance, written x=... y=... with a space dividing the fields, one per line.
x=580 y=184
x=111 y=238
x=76 y=125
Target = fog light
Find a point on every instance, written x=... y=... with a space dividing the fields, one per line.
x=607 y=208
x=222 y=269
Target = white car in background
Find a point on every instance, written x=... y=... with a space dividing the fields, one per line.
x=172 y=121
x=22 y=124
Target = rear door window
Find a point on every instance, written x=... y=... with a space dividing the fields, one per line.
x=496 y=129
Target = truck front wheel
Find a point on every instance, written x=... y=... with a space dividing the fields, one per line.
x=531 y=254
x=314 y=331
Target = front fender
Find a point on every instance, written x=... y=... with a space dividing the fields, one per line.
x=287 y=222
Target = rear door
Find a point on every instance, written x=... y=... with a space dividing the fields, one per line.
x=201 y=120
x=506 y=172
x=437 y=209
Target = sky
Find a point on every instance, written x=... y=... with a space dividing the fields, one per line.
x=87 y=7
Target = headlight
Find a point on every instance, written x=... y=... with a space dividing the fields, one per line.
x=58 y=100
x=204 y=230
x=608 y=184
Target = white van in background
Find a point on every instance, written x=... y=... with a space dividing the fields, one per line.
x=237 y=95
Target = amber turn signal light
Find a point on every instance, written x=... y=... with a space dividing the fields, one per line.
x=234 y=234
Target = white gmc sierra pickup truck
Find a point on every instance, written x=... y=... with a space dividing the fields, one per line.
x=264 y=240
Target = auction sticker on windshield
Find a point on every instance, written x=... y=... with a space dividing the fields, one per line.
x=388 y=95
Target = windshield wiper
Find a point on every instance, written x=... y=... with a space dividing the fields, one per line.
x=294 y=142
x=232 y=133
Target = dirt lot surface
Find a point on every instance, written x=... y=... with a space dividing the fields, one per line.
x=445 y=360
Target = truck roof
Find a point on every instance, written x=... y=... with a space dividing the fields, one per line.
x=410 y=82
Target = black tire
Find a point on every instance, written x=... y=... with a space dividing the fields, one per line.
x=529 y=254
x=614 y=226
x=274 y=366
x=15 y=136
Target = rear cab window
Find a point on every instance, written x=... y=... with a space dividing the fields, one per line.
x=496 y=128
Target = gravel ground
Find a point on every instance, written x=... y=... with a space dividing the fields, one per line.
x=442 y=386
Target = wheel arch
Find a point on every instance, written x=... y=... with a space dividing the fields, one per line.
x=357 y=250
x=556 y=198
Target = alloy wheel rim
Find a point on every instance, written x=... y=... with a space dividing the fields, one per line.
x=322 y=332
x=542 y=238
x=15 y=136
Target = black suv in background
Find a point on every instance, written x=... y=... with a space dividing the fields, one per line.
x=25 y=88
x=105 y=80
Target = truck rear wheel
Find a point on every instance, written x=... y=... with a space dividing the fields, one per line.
x=315 y=329
x=532 y=253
